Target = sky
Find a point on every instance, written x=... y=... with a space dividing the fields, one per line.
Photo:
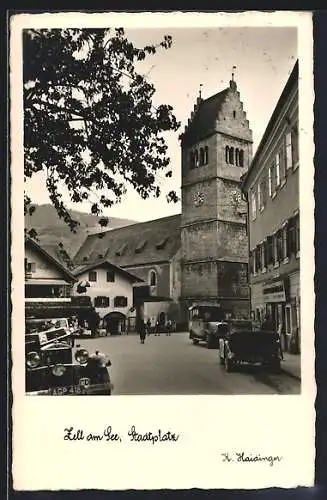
x=264 y=58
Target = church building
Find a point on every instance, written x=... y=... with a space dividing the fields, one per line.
x=200 y=256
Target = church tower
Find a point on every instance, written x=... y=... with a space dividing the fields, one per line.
x=216 y=152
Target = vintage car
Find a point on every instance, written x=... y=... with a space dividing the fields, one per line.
x=203 y=323
x=54 y=367
x=243 y=341
x=35 y=325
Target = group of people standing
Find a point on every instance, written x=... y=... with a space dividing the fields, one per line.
x=144 y=329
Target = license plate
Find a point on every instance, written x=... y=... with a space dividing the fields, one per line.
x=68 y=390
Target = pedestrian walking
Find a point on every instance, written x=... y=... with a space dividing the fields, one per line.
x=141 y=330
x=157 y=329
x=168 y=328
x=279 y=333
x=148 y=326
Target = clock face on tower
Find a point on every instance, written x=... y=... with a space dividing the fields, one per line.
x=198 y=198
x=236 y=199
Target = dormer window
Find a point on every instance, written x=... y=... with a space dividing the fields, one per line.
x=161 y=244
x=121 y=250
x=84 y=259
x=141 y=246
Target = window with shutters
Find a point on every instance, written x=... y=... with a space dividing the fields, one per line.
x=277 y=169
x=254 y=256
x=110 y=276
x=297 y=234
x=280 y=245
x=258 y=258
x=270 y=250
x=285 y=242
x=291 y=238
x=251 y=262
x=295 y=146
x=92 y=276
x=282 y=166
x=270 y=174
x=101 y=302
x=254 y=205
x=120 y=301
x=259 y=197
x=275 y=249
x=288 y=147
x=264 y=255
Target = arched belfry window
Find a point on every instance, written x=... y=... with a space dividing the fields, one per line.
x=241 y=158
x=202 y=162
x=206 y=155
x=191 y=159
x=237 y=157
x=196 y=158
x=153 y=278
x=227 y=154
x=231 y=156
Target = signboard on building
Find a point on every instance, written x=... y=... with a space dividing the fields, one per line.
x=274 y=292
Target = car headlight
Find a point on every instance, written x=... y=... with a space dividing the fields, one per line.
x=58 y=370
x=33 y=359
x=82 y=356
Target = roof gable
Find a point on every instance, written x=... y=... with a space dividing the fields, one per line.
x=78 y=270
x=291 y=82
x=49 y=258
x=203 y=119
x=137 y=244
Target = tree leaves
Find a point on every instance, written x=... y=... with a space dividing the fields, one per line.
x=89 y=120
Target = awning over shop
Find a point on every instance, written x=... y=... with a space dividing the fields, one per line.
x=48 y=282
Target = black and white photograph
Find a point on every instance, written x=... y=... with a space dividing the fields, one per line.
x=164 y=246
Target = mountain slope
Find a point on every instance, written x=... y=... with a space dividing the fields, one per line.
x=52 y=230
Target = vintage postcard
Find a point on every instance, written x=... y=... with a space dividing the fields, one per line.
x=162 y=250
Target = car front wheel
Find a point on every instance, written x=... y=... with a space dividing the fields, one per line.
x=209 y=343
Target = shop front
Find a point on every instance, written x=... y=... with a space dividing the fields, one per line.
x=282 y=304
